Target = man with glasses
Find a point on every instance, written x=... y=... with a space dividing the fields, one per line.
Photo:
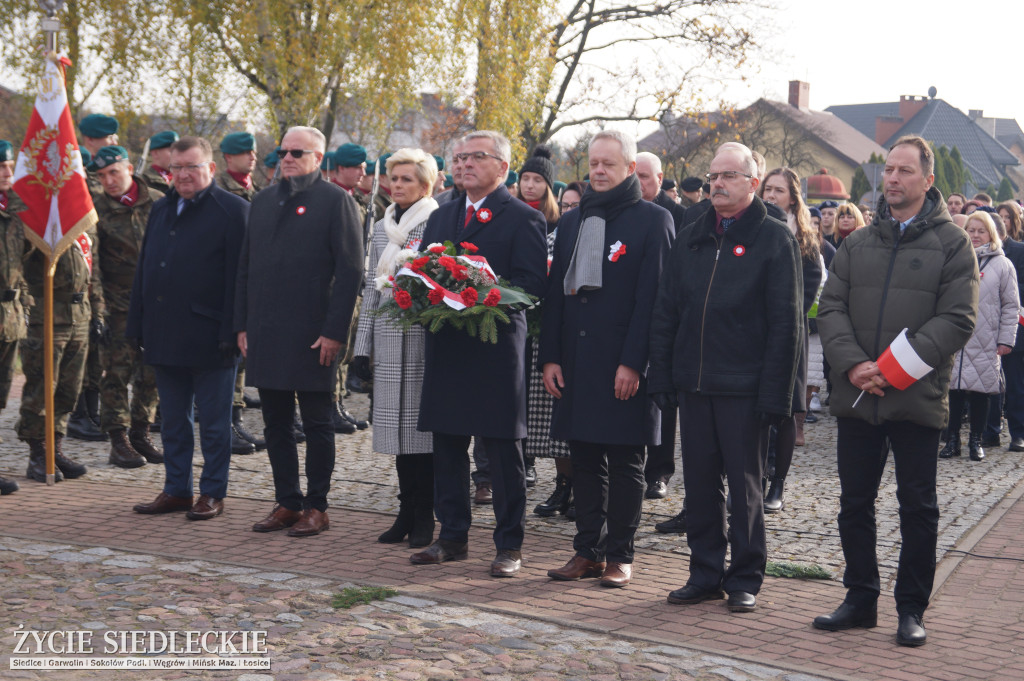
x=723 y=349
x=298 y=277
x=477 y=389
x=180 y=317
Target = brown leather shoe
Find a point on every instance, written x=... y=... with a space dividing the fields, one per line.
x=138 y=437
x=617 y=574
x=205 y=508
x=578 y=567
x=312 y=522
x=164 y=503
x=278 y=519
x=483 y=494
x=440 y=551
x=506 y=563
x=122 y=454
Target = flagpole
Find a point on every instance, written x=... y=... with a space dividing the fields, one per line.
x=51 y=268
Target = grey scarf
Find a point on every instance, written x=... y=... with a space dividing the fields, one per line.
x=596 y=208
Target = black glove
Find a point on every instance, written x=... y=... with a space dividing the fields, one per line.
x=99 y=332
x=666 y=401
x=767 y=419
x=228 y=350
x=360 y=366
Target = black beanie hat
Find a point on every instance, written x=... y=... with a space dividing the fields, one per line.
x=541 y=164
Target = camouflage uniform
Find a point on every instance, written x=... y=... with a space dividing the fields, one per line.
x=225 y=181
x=13 y=291
x=363 y=201
x=72 y=312
x=156 y=181
x=115 y=254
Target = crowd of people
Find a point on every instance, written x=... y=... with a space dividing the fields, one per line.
x=724 y=310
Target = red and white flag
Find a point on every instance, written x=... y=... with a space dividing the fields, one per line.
x=49 y=176
x=901 y=365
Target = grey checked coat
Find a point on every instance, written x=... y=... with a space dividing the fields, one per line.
x=397 y=362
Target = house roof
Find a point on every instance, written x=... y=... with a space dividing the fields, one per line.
x=831 y=131
x=944 y=125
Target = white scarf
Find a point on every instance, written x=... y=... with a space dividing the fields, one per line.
x=398 y=233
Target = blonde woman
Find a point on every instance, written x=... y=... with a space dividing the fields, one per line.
x=397 y=354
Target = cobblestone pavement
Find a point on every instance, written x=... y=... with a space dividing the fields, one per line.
x=46 y=586
x=804 y=533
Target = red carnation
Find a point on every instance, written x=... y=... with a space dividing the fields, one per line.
x=436 y=249
x=492 y=298
x=468 y=247
x=459 y=273
x=469 y=297
x=447 y=261
x=403 y=299
x=435 y=296
x=419 y=263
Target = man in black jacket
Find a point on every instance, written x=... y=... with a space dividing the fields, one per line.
x=180 y=315
x=723 y=343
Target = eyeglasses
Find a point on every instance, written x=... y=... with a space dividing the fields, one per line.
x=727 y=176
x=477 y=156
x=177 y=170
x=569 y=206
x=296 y=153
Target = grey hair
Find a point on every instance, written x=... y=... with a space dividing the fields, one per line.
x=502 y=148
x=652 y=159
x=319 y=141
x=749 y=163
x=626 y=142
x=426 y=166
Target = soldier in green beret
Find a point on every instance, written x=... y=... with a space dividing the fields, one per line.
x=156 y=169
x=349 y=163
x=98 y=131
x=439 y=184
x=86 y=156
x=239 y=149
x=123 y=210
x=13 y=290
x=269 y=166
x=511 y=180
x=558 y=188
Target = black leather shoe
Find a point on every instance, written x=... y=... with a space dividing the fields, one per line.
x=341 y=424
x=506 y=563
x=848 y=616
x=974 y=444
x=240 y=430
x=559 y=500
x=8 y=486
x=741 y=601
x=951 y=448
x=347 y=415
x=1017 y=444
x=911 y=632
x=692 y=594
x=674 y=525
x=774 y=501
x=239 y=445
x=656 y=490
x=441 y=551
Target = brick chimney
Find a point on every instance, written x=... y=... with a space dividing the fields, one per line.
x=910 y=105
x=799 y=94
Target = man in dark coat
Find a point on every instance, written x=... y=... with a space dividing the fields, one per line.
x=180 y=314
x=661 y=464
x=477 y=389
x=723 y=343
x=298 y=277
x=594 y=344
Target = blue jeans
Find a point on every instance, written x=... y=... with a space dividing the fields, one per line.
x=211 y=390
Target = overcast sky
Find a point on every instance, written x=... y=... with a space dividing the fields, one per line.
x=876 y=50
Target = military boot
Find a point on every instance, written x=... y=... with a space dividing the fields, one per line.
x=37 y=462
x=238 y=427
x=122 y=454
x=140 y=441
x=69 y=467
x=8 y=486
x=361 y=425
x=81 y=427
x=341 y=424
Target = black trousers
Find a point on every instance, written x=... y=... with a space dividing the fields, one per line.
x=661 y=459
x=723 y=436
x=862 y=451
x=978 y=405
x=452 y=504
x=608 y=484
x=278 y=407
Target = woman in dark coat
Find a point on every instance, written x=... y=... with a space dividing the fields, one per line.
x=782 y=187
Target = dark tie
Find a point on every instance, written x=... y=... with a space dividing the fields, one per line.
x=727 y=222
x=470 y=212
x=183 y=204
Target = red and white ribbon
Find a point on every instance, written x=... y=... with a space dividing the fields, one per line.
x=452 y=300
x=901 y=365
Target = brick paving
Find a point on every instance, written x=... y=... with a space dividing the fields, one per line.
x=975 y=624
